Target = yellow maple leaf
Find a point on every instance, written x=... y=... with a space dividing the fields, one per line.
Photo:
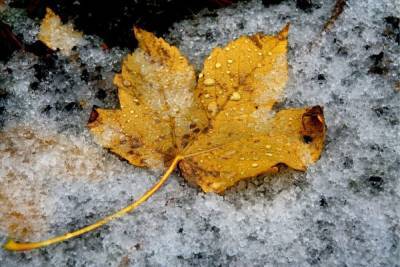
x=218 y=132
x=57 y=35
x=224 y=129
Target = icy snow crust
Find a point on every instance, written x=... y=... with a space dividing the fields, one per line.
x=344 y=211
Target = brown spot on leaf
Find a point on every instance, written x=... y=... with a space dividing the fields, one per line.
x=165 y=53
x=196 y=130
x=135 y=143
x=169 y=155
x=185 y=140
x=313 y=120
x=307 y=139
x=93 y=116
x=256 y=40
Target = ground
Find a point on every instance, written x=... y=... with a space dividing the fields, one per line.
x=343 y=211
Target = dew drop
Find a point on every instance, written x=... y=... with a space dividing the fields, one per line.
x=218 y=65
x=235 y=96
x=127 y=83
x=267 y=146
x=207 y=96
x=209 y=82
x=201 y=75
x=230 y=61
x=268 y=154
x=212 y=107
x=254 y=165
x=269 y=53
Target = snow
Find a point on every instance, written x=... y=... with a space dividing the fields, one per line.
x=343 y=211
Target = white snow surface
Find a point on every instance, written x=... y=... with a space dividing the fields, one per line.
x=343 y=211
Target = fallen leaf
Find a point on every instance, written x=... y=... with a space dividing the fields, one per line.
x=3 y=5
x=21 y=215
x=57 y=35
x=224 y=128
x=218 y=132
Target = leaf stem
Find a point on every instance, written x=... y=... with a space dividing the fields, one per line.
x=15 y=246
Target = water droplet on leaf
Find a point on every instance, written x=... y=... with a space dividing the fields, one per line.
x=209 y=82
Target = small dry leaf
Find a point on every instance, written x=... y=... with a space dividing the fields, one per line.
x=57 y=35
x=3 y=5
x=224 y=128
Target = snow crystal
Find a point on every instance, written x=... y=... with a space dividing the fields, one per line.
x=342 y=212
